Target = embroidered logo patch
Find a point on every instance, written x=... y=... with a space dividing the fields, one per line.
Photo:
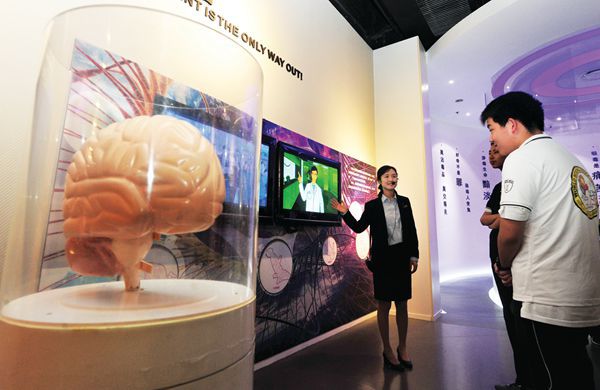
x=584 y=192
x=508 y=185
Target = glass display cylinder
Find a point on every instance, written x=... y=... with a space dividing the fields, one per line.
x=141 y=207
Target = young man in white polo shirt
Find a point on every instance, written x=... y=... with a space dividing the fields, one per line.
x=549 y=240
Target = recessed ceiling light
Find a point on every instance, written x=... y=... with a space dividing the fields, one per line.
x=558 y=118
x=468 y=114
x=450 y=82
x=507 y=87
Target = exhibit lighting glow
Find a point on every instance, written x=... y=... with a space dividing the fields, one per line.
x=494 y=297
x=150 y=178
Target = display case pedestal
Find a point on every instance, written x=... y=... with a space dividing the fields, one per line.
x=211 y=349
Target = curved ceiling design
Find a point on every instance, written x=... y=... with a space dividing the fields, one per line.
x=564 y=76
x=548 y=47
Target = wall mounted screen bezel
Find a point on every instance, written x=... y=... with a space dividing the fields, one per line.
x=267 y=210
x=295 y=215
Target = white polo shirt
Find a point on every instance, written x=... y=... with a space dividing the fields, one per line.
x=556 y=273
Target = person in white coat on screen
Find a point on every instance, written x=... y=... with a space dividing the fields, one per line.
x=311 y=193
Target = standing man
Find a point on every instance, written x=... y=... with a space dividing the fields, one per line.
x=312 y=194
x=549 y=240
x=491 y=219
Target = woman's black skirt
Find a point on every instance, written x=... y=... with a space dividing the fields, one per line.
x=391 y=276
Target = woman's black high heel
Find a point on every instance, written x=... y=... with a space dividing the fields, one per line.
x=388 y=364
x=408 y=364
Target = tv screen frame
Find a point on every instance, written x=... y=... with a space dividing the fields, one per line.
x=267 y=211
x=292 y=216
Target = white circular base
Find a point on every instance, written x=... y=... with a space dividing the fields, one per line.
x=109 y=303
x=171 y=337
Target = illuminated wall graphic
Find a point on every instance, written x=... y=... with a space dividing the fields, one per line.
x=463 y=181
x=107 y=88
x=312 y=278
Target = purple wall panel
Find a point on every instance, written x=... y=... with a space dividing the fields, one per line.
x=311 y=279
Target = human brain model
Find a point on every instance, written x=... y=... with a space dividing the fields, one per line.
x=132 y=180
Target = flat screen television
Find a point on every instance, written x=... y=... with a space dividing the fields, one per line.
x=306 y=184
x=266 y=181
x=232 y=148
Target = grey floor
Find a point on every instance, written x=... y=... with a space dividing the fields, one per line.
x=466 y=349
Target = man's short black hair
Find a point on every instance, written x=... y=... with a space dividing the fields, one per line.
x=313 y=168
x=517 y=105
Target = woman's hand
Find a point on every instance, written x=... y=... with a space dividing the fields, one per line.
x=414 y=264
x=341 y=207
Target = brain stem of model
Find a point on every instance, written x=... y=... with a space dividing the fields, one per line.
x=132 y=180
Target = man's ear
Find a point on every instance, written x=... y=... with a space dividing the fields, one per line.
x=514 y=129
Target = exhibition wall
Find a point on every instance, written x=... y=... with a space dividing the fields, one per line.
x=463 y=183
x=325 y=91
x=311 y=275
x=303 y=52
x=402 y=140
x=460 y=155
x=331 y=103
x=320 y=284
x=462 y=66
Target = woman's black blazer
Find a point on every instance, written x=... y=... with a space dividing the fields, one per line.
x=374 y=216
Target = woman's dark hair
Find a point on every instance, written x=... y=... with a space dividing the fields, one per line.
x=381 y=171
x=517 y=105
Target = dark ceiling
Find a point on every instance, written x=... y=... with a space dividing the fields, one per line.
x=383 y=22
